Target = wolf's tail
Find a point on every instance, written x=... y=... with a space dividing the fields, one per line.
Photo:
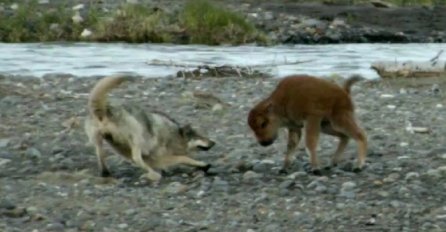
x=351 y=81
x=97 y=102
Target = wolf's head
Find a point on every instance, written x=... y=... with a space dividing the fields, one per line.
x=194 y=139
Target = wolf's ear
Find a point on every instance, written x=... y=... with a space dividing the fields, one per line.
x=185 y=129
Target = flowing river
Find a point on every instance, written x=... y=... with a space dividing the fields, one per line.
x=91 y=59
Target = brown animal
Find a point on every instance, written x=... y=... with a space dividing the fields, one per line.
x=303 y=101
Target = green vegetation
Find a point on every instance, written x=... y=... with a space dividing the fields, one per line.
x=135 y=24
x=29 y=22
x=199 y=21
x=211 y=24
x=394 y=2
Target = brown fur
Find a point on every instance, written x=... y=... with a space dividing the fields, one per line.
x=151 y=140
x=302 y=101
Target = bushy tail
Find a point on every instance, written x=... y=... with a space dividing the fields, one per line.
x=97 y=101
x=350 y=81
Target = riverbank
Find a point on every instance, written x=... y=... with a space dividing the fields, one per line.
x=48 y=173
x=222 y=22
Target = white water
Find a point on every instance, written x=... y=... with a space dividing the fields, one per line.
x=90 y=59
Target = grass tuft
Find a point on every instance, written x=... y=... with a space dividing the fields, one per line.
x=209 y=23
x=135 y=24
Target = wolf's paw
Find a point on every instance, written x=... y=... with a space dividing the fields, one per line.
x=152 y=176
x=316 y=172
x=205 y=168
x=104 y=173
x=283 y=171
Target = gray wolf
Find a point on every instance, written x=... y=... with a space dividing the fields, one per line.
x=149 y=139
x=304 y=102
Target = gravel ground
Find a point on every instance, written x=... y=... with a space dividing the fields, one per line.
x=48 y=178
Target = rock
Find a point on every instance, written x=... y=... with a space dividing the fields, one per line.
x=123 y=226
x=391 y=178
x=6 y=204
x=14 y=6
x=216 y=170
x=387 y=96
x=175 y=188
x=395 y=204
x=54 y=26
x=86 y=33
x=4 y=142
x=57 y=226
x=89 y=225
x=33 y=153
x=132 y=1
x=42 y=2
x=242 y=166
x=78 y=7
x=312 y=23
x=349 y=185
x=321 y=189
x=297 y=175
x=77 y=18
x=383 y=194
x=287 y=184
x=348 y=190
x=4 y=161
x=220 y=185
x=434 y=173
x=411 y=175
x=251 y=175
x=32 y=210
x=263 y=166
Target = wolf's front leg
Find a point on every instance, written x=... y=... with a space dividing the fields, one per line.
x=151 y=174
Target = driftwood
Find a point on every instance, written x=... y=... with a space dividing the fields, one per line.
x=221 y=71
x=410 y=69
x=200 y=71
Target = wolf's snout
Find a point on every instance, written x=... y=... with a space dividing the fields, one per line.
x=207 y=146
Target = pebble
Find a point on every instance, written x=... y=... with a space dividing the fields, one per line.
x=33 y=153
x=77 y=18
x=123 y=226
x=321 y=189
x=411 y=175
x=387 y=96
x=263 y=166
x=14 y=6
x=220 y=185
x=433 y=173
x=287 y=184
x=348 y=190
x=349 y=185
x=4 y=142
x=297 y=175
x=391 y=178
x=383 y=194
x=32 y=210
x=392 y=107
x=78 y=7
x=86 y=33
x=56 y=226
x=6 y=204
x=175 y=188
x=4 y=161
x=250 y=176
